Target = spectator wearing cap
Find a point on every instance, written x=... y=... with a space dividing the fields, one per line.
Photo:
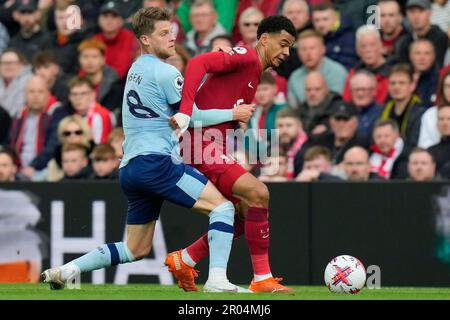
x=405 y=107
x=441 y=151
x=391 y=27
x=337 y=32
x=426 y=72
x=121 y=45
x=4 y=37
x=203 y=17
x=370 y=50
x=421 y=165
x=311 y=50
x=389 y=156
x=31 y=38
x=5 y=121
x=14 y=75
x=33 y=135
x=67 y=37
x=363 y=87
x=419 y=17
x=319 y=101
x=342 y=136
x=45 y=64
x=105 y=79
x=104 y=163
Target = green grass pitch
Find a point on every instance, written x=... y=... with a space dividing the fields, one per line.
x=159 y=292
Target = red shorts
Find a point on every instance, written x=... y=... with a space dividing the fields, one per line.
x=223 y=176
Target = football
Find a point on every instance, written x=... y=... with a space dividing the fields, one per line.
x=345 y=274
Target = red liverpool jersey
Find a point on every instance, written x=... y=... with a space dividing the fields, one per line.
x=232 y=80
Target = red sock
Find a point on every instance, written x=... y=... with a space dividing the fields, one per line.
x=200 y=248
x=257 y=236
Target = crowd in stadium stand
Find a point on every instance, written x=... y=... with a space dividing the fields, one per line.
x=364 y=95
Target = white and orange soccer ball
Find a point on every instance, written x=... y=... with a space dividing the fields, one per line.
x=345 y=274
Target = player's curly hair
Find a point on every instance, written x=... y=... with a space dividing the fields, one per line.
x=276 y=24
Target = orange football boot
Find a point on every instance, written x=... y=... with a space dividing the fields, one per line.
x=269 y=285
x=181 y=271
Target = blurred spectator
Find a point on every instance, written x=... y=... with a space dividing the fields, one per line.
x=248 y=25
x=267 y=7
x=298 y=12
x=121 y=44
x=33 y=137
x=67 y=37
x=429 y=132
x=180 y=59
x=311 y=51
x=8 y=168
x=319 y=101
x=108 y=90
x=266 y=110
x=370 y=50
x=441 y=151
x=226 y=11
x=357 y=166
x=14 y=75
x=221 y=40
x=317 y=165
x=363 y=86
x=275 y=170
x=343 y=134
x=45 y=64
x=421 y=165
x=405 y=107
x=291 y=136
x=389 y=156
x=426 y=72
x=104 y=163
x=5 y=126
x=419 y=14
x=4 y=38
x=391 y=24
x=31 y=38
x=75 y=162
x=203 y=17
x=116 y=139
x=71 y=129
x=440 y=15
x=337 y=32
x=6 y=17
x=82 y=102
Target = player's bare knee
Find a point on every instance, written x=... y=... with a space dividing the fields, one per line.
x=259 y=196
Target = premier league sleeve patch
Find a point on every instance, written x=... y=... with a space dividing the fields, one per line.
x=178 y=82
x=240 y=50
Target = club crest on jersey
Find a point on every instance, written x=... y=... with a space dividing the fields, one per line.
x=240 y=50
x=178 y=82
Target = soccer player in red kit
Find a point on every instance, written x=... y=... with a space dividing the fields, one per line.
x=232 y=81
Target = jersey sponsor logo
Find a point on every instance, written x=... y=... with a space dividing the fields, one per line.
x=178 y=82
x=240 y=50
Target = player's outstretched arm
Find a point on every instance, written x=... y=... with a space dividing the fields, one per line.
x=210 y=117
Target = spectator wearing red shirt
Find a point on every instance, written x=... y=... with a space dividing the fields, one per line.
x=82 y=98
x=121 y=45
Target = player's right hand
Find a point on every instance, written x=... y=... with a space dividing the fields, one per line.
x=243 y=112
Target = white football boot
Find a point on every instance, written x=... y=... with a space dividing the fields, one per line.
x=223 y=286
